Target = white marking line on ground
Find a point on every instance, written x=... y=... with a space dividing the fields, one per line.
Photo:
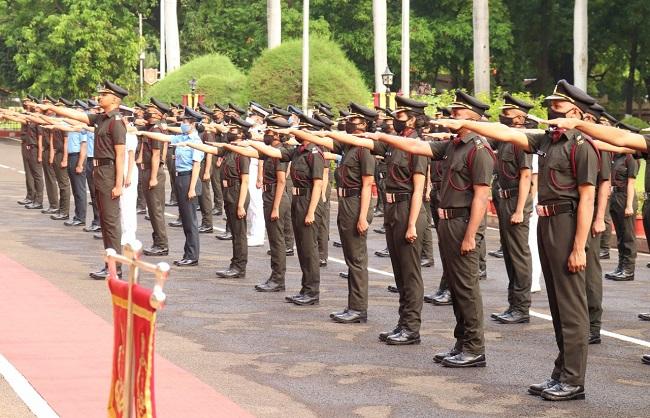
x=25 y=391
x=533 y=313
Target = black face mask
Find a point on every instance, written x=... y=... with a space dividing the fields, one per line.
x=399 y=125
x=530 y=124
x=341 y=126
x=231 y=137
x=147 y=116
x=505 y=120
x=268 y=139
x=350 y=127
x=552 y=114
x=226 y=118
x=200 y=128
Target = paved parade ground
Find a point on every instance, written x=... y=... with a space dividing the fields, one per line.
x=226 y=350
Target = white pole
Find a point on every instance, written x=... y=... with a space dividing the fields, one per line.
x=305 y=55
x=580 y=44
x=141 y=57
x=163 y=65
x=171 y=32
x=481 y=16
x=379 y=29
x=406 y=49
x=274 y=22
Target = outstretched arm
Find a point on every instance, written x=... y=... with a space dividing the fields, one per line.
x=68 y=113
x=492 y=130
x=157 y=136
x=609 y=134
x=410 y=145
x=265 y=149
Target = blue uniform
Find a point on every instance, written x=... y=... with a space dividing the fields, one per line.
x=90 y=143
x=74 y=141
x=186 y=156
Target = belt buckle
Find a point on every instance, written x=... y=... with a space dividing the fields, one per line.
x=295 y=192
x=339 y=192
x=224 y=183
x=442 y=213
x=390 y=197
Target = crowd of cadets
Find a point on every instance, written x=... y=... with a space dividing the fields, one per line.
x=556 y=190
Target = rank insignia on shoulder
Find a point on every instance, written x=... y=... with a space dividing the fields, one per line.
x=118 y=117
x=579 y=139
x=314 y=151
x=478 y=142
x=540 y=153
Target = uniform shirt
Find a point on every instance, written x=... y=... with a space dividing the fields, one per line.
x=624 y=167
x=32 y=133
x=307 y=164
x=233 y=165
x=400 y=166
x=510 y=161
x=24 y=132
x=74 y=142
x=110 y=130
x=558 y=181
x=467 y=161
x=147 y=145
x=272 y=166
x=58 y=138
x=186 y=156
x=90 y=144
x=356 y=162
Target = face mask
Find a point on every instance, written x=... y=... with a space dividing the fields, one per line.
x=200 y=128
x=350 y=127
x=268 y=139
x=146 y=116
x=530 y=124
x=186 y=128
x=341 y=126
x=230 y=136
x=552 y=114
x=505 y=120
x=399 y=125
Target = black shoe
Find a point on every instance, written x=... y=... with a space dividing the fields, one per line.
x=404 y=337
x=186 y=262
x=438 y=358
x=60 y=217
x=34 y=206
x=73 y=222
x=430 y=298
x=323 y=263
x=289 y=252
x=380 y=230
x=217 y=212
x=156 y=251
x=644 y=316
x=538 y=388
x=564 y=392
x=444 y=299
x=141 y=211
x=344 y=275
x=383 y=336
x=269 y=286
x=350 y=316
x=482 y=274
x=426 y=262
x=603 y=254
x=464 y=360
x=175 y=224
x=226 y=236
x=495 y=315
x=378 y=213
x=92 y=228
x=514 y=317
x=392 y=289
x=103 y=274
x=383 y=253
x=626 y=275
x=305 y=300
x=24 y=202
x=645 y=359
x=618 y=270
x=594 y=338
x=147 y=217
x=49 y=211
x=231 y=273
x=171 y=203
x=337 y=244
x=496 y=253
x=204 y=229
x=98 y=236
x=290 y=299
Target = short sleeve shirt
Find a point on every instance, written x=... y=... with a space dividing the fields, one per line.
x=624 y=167
x=356 y=162
x=272 y=166
x=510 y=161
x=110 y=130
x=467 y=161
x=186 y=156
x=307 y=164
x=148 y=144
x=400 y=166
x=559 y=173
x=233 y=165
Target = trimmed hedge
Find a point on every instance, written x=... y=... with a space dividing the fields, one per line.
x=216 y=76
x=276 y=76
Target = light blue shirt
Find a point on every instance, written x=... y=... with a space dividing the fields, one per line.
x=74 y=141
x=186 y=156
x=90 y=143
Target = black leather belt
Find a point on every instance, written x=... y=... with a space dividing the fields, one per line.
x=229 y=183
x=97 y=162
x=28 y=147
x=268 y=187
x=453 y=213
x=183 y=173
x=301 y=191
x=555 y=209
x=619 y=189
x=144 y=166
x=508 y=193
x=72 y=153
x=397 y=197
x=341 y=192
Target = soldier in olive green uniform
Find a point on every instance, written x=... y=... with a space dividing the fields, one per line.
x=153 y=177
x=205 y=175
x=60 y=166
x=568 y=170
x=623 y=205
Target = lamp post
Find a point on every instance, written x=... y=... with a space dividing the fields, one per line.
x=387 y=80
x=192 y=101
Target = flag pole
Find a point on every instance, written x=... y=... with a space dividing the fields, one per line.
x=305 y=55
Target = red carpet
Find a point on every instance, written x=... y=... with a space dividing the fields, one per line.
x=64 y=350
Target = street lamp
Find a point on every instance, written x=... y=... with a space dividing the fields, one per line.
x=387 y=80
x=192 y=97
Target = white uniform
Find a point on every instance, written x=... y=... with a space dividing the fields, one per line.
x=129 y=196
x=255 y=213
x=532 y=236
